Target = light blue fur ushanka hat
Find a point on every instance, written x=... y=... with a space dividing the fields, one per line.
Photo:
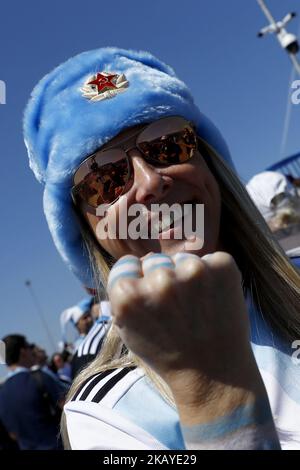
x=80 y=106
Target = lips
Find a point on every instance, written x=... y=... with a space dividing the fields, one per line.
x=163 y=221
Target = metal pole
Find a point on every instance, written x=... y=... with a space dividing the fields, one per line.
x=295 y=62
x=287 y=117
x=272 y=20
x=40 y=313
x=267 y=12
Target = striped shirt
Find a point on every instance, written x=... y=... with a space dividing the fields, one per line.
x=121 y=409
x=92 y=343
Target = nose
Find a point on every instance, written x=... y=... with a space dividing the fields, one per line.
x=151 y=185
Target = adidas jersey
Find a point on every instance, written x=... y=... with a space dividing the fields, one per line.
x=92 y=343
x=116 y=409
x=121 y=410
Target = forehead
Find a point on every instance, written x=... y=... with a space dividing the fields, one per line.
x=126 y=133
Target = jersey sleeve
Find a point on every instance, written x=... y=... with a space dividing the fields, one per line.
x=95 y=427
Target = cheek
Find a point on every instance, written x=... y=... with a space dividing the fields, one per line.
x=208 y=189
x=202 y=173
x=114 y=246
x=212 y=216
x=214 y=193
x=199 y=176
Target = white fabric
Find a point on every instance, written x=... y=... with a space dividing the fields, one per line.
x=91 y=341
x=264 y=186
x=97 y=332
x=285 y=405
x=94 y=427
x=121 y=388
x=105 y=309
x=294 y=252
x=285 y=411
x=97 y=387
x=72 y=313
x=86 y=420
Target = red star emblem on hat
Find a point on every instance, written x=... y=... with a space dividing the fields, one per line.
x=103 y=81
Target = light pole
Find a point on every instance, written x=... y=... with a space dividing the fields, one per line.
x=40 y=313
x=287 y=41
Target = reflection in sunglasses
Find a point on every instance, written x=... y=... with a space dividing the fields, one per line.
x=106 y=182
x=171 y=149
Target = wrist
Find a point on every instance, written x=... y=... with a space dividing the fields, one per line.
x=248 y=427
x=200 y=398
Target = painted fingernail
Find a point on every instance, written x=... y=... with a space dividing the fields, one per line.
x=126 y=267
x=155 y=261
x=179 y=257
x=209 y=255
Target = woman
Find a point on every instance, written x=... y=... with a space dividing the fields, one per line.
x=177 y=369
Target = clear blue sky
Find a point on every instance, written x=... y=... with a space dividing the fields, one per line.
x=240 y=81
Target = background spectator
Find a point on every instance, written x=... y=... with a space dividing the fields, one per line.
x=30 y=401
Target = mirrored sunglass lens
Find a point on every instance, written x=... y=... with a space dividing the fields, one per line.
x=105 y=182
x=168 y=147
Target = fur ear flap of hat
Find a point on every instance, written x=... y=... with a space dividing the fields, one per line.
x=62 y=126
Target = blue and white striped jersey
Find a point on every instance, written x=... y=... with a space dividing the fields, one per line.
x=91 y=345
x=121 y=409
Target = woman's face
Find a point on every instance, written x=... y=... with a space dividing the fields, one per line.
x=190 y=182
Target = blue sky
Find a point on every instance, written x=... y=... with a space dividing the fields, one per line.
x=239 y=81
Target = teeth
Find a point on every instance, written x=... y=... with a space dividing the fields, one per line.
x=167 y=219
x=178 y=213
x=163 y=224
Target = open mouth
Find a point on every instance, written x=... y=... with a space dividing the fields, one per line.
x=168 y=220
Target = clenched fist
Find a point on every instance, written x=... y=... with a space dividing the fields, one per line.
x=183 y=313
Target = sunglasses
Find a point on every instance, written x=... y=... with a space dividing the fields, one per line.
x=108 y=174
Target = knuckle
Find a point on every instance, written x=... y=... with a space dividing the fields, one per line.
x=193 y=268
x=223 y=264
x=154 y=262
x=160 y=281
x=222 y=260
x=124 y=291
x=124 y=296
x=123 y=271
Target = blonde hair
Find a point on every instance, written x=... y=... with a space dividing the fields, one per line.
x=269 y=279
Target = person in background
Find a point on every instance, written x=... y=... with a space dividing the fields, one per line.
x=295 y=181
x=6 y=441
x=61 y=367
x=30 y=403
x=41 y=363
x=40 y=356
x=91 y=346
x=81 y=318
x=66 y=356
x=277 y=199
